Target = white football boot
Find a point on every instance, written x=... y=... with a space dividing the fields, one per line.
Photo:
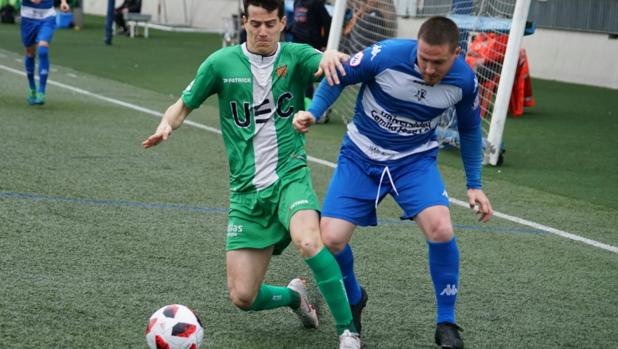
x=349 y=340
x=306 y=311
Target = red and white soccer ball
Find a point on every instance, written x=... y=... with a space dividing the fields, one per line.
x=174 y=327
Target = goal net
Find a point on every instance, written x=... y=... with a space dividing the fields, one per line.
x=491 y=32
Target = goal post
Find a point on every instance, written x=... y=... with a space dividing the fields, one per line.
x=491 y=36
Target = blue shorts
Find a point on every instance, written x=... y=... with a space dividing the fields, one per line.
x=35 y=30
x=355 y=185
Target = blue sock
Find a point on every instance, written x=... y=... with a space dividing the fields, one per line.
x=345 y=259
x=29 y=65
x=43 y=67
x=444 y=269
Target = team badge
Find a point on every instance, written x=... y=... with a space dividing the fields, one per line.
x=356 y=59
x=282 y=71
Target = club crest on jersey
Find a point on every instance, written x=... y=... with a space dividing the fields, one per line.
x=356 y=59
x=282 y=71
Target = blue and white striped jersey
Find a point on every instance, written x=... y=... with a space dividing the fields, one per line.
x=41 y=5
x=396 y=112
x=42 y=10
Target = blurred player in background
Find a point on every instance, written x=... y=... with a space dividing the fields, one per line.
x=38 y=23
x=260 y=86
x=391 y=148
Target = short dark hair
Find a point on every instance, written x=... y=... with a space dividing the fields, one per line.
x=439 y=30
x=268 y=5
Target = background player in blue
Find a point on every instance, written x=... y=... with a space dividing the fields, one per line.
x=38 y=23
x=390 y=148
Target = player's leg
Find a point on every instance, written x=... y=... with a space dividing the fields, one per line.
x=251 y=241
x=350 y=201
x=299 y=206
x=29 y=30
x=43 y=54
x=305 y=232
x=44 y=38
x=423 y=197
x=29 y=64
x=245 y=275
x=443 y=252
x=336 y=234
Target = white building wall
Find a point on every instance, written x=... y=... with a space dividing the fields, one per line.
x=582 y=58
x=576 y=57
x=204 y=14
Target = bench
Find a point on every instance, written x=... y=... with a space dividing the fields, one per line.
x=133 y=19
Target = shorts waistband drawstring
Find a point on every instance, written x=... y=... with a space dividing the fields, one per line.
x=390 y=178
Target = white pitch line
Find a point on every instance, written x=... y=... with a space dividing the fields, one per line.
x=457 y=202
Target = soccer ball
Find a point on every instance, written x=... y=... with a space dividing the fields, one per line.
x=174 y=327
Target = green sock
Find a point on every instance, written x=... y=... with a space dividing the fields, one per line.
x=270 y=297
x=330 y=282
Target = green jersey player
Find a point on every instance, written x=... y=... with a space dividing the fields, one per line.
x=260 y=85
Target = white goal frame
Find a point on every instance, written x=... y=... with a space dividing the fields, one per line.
x=493 y=142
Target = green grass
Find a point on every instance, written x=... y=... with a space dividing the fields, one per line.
x=97 y=233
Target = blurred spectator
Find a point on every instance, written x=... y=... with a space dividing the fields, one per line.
x=8 y=10
x=311 y=26
x=311 y=23
x=133 y=6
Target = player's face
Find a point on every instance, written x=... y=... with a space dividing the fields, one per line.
x=263 y=30
x=435 y=60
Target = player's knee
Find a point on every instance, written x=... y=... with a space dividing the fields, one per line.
x=333 y=242
x=43 y=51
x=242 y=300
x=30 y=51
x=309 y=244
x=440 y=231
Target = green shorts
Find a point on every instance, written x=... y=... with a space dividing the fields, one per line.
x=262 y=219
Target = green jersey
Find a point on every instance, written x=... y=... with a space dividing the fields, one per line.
x=258 y=97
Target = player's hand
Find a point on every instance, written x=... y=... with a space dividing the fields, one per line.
x=36 y=2
x=302 y=121
x=64 y=7
x=332 y=61
x=480 y=204
x=162 y=134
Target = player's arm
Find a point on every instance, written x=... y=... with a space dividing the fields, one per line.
x=204 y=85
x=174 y=116
x=471 y=143
x=360 y=68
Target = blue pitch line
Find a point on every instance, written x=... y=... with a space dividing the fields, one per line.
x=95 y=202
x=119 y=203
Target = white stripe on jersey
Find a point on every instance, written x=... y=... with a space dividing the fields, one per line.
x=416 y=91
x=377 y=153
x=400 y=125
x=265 y=148
x=37 y=13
